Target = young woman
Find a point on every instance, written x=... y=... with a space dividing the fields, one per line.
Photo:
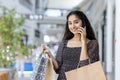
x=79 y=45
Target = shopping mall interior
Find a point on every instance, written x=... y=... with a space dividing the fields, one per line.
x=31 y=23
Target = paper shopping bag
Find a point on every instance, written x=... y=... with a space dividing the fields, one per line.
x=93 y=71
x=49 y=74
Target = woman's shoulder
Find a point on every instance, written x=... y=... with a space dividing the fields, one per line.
x=93 y=42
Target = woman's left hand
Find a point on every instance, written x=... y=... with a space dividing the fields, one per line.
x=83 y=33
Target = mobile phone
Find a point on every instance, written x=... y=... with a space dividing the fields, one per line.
x=83 y=24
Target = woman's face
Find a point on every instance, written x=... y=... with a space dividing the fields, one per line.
x=74 y=23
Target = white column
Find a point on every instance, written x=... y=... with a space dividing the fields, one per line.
x=117 y=37
x=100 y=40
x=33 y=6
x=109 y=33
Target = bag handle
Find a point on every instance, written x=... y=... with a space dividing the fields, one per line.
x=80 y=60
x=88 y=58
x=79 y=63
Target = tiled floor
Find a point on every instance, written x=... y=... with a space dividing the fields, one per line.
x=25 y=76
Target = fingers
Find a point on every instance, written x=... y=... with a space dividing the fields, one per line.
x=43 y=47
x=46 y=51
x=81 y=30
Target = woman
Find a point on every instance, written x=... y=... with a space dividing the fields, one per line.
x=79 y=45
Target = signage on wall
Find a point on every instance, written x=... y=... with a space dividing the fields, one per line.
x=37 y=33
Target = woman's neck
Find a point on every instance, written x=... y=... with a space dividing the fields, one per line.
x=76 y=37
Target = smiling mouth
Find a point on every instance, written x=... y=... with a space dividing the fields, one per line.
x=74 y=29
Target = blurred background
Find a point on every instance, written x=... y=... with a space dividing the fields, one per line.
x=26 y=24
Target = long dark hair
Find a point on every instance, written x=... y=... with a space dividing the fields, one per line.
x=85 y=22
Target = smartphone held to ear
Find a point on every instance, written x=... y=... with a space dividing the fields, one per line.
x=83 y=24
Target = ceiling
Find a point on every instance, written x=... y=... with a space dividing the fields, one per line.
x=63 y=4
x=39 y=6
x=43 y=7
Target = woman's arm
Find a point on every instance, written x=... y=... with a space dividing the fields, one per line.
x=46 y=51
x=84 y=53
x=90 y=51
x=84 y=40
x=57 y=61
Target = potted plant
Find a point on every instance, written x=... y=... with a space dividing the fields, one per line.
x=10 y=37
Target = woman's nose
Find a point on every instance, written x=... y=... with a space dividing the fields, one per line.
x=73 y=25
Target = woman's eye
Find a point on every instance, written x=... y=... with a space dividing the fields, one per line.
x=76 y=22
x=69 y=23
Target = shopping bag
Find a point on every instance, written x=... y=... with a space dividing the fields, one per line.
x=49 y=74
x=44 y=70
x=36 y=66
x=92 y=71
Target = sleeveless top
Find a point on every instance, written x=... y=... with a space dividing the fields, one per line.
x=68 y=57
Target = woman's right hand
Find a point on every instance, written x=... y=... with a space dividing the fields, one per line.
x=45 y=50
x=42 y=48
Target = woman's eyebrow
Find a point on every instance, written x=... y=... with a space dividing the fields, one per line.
x=74 y=20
